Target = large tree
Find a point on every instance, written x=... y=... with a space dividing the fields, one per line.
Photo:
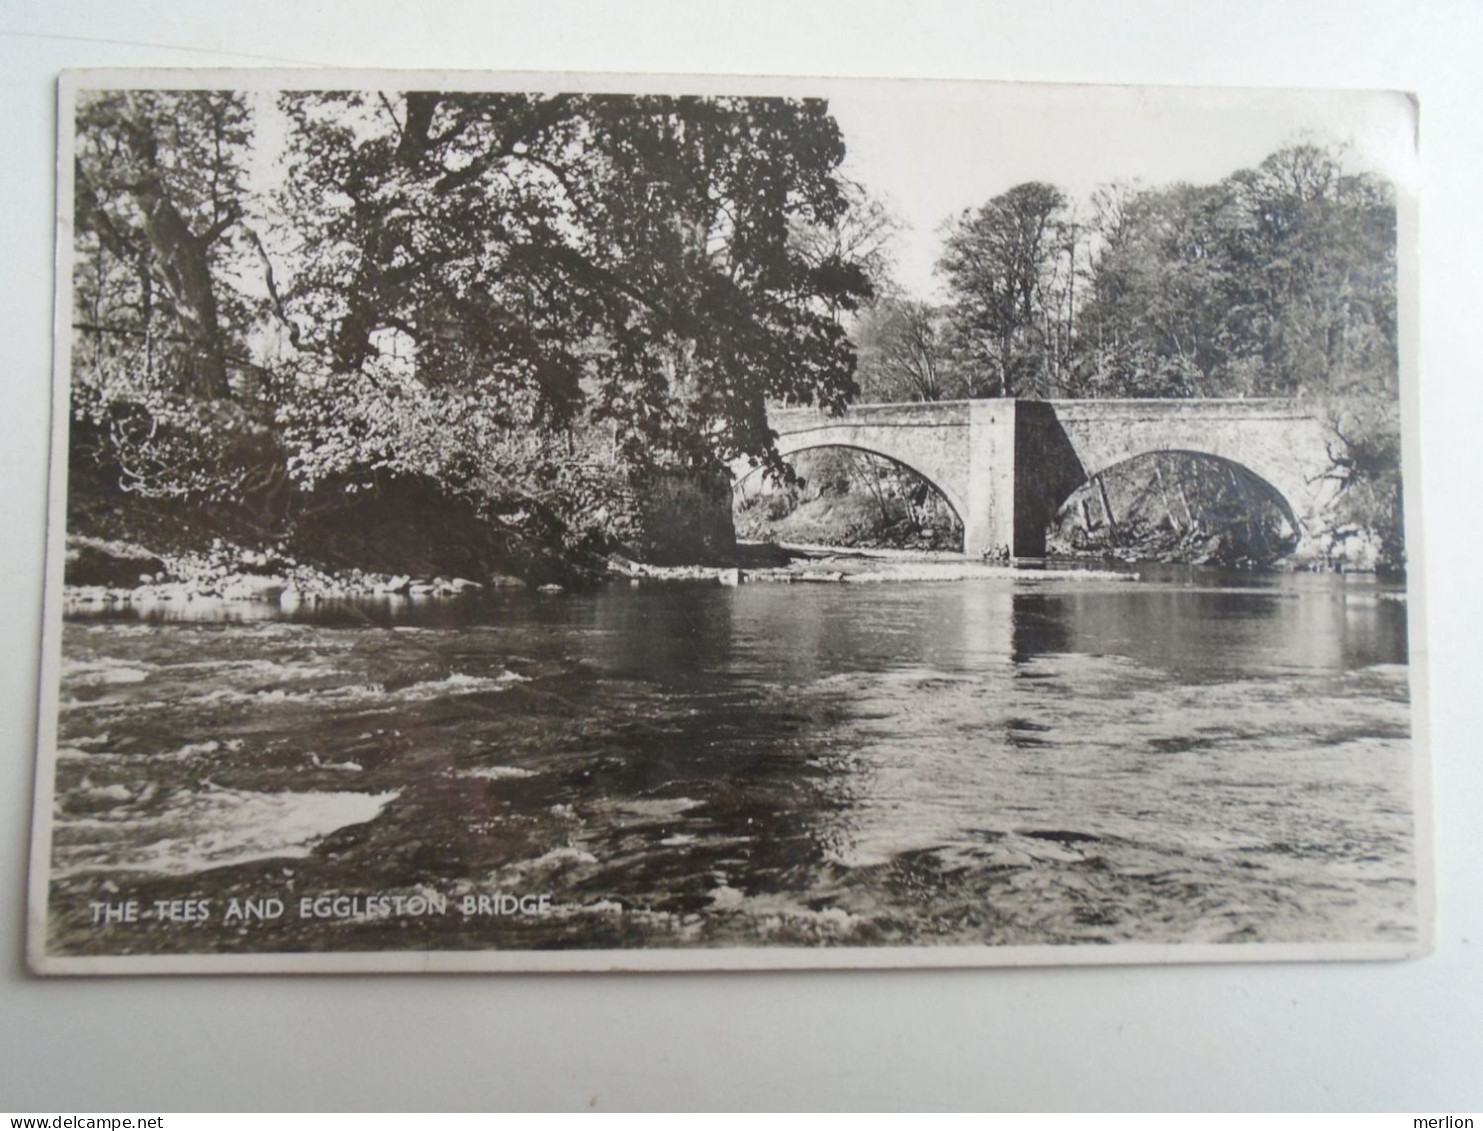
x=1154 y=320
x=481 y=266
x=158 y=188
x=905 y=352
x=1278 y=280
x=1313 y=289
x=164 y=389
x=1007 y=265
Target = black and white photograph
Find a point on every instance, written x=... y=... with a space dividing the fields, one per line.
x=596 y=522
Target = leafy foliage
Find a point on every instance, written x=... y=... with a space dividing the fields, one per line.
x=164 y=390
x=488 y=264
x=538 y=297
x=524 y=299
x=1276 y=281
x=1004 y=264
x=906 y=353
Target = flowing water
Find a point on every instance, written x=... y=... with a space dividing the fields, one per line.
x=1192 y=757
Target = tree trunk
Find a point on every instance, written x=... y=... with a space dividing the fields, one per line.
x=1158 y=474
x=185 y=268
x=1106 y=506
x=182 y=260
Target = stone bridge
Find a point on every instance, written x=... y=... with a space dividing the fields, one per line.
x=1006 y=466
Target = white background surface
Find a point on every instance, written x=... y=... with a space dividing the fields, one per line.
x=1405 y=1036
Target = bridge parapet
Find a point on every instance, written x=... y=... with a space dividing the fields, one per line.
x=1281 y=442
x=930 y=439
x=1006 y=465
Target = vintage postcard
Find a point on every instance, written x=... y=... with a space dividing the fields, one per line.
x=592 y=522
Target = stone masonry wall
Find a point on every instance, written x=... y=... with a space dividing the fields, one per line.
x=682 y=518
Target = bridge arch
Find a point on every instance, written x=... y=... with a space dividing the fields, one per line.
x=741 y=475
x=1005 y=466
x=929 y=440
x=1271 y=491
x=1280 y=445
x=1178 y=500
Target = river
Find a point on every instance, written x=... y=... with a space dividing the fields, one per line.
x=1194 y=757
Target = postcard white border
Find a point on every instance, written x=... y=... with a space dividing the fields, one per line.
x=656 y=959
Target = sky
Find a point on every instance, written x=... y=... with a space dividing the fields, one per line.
x=931 y=150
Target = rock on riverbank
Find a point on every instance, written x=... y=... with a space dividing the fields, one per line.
x=104 y=574
x=100 y=572
x=813 y=566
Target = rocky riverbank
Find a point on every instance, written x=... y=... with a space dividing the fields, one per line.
x=1344 y=549
x=815 y=564
x=102 y=572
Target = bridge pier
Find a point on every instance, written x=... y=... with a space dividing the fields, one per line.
x=1021 y=466
x=988 y=521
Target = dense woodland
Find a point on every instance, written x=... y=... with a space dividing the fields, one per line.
x=1277 y=281
x=291 y=313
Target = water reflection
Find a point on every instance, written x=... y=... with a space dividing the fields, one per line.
x=1202 y=757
